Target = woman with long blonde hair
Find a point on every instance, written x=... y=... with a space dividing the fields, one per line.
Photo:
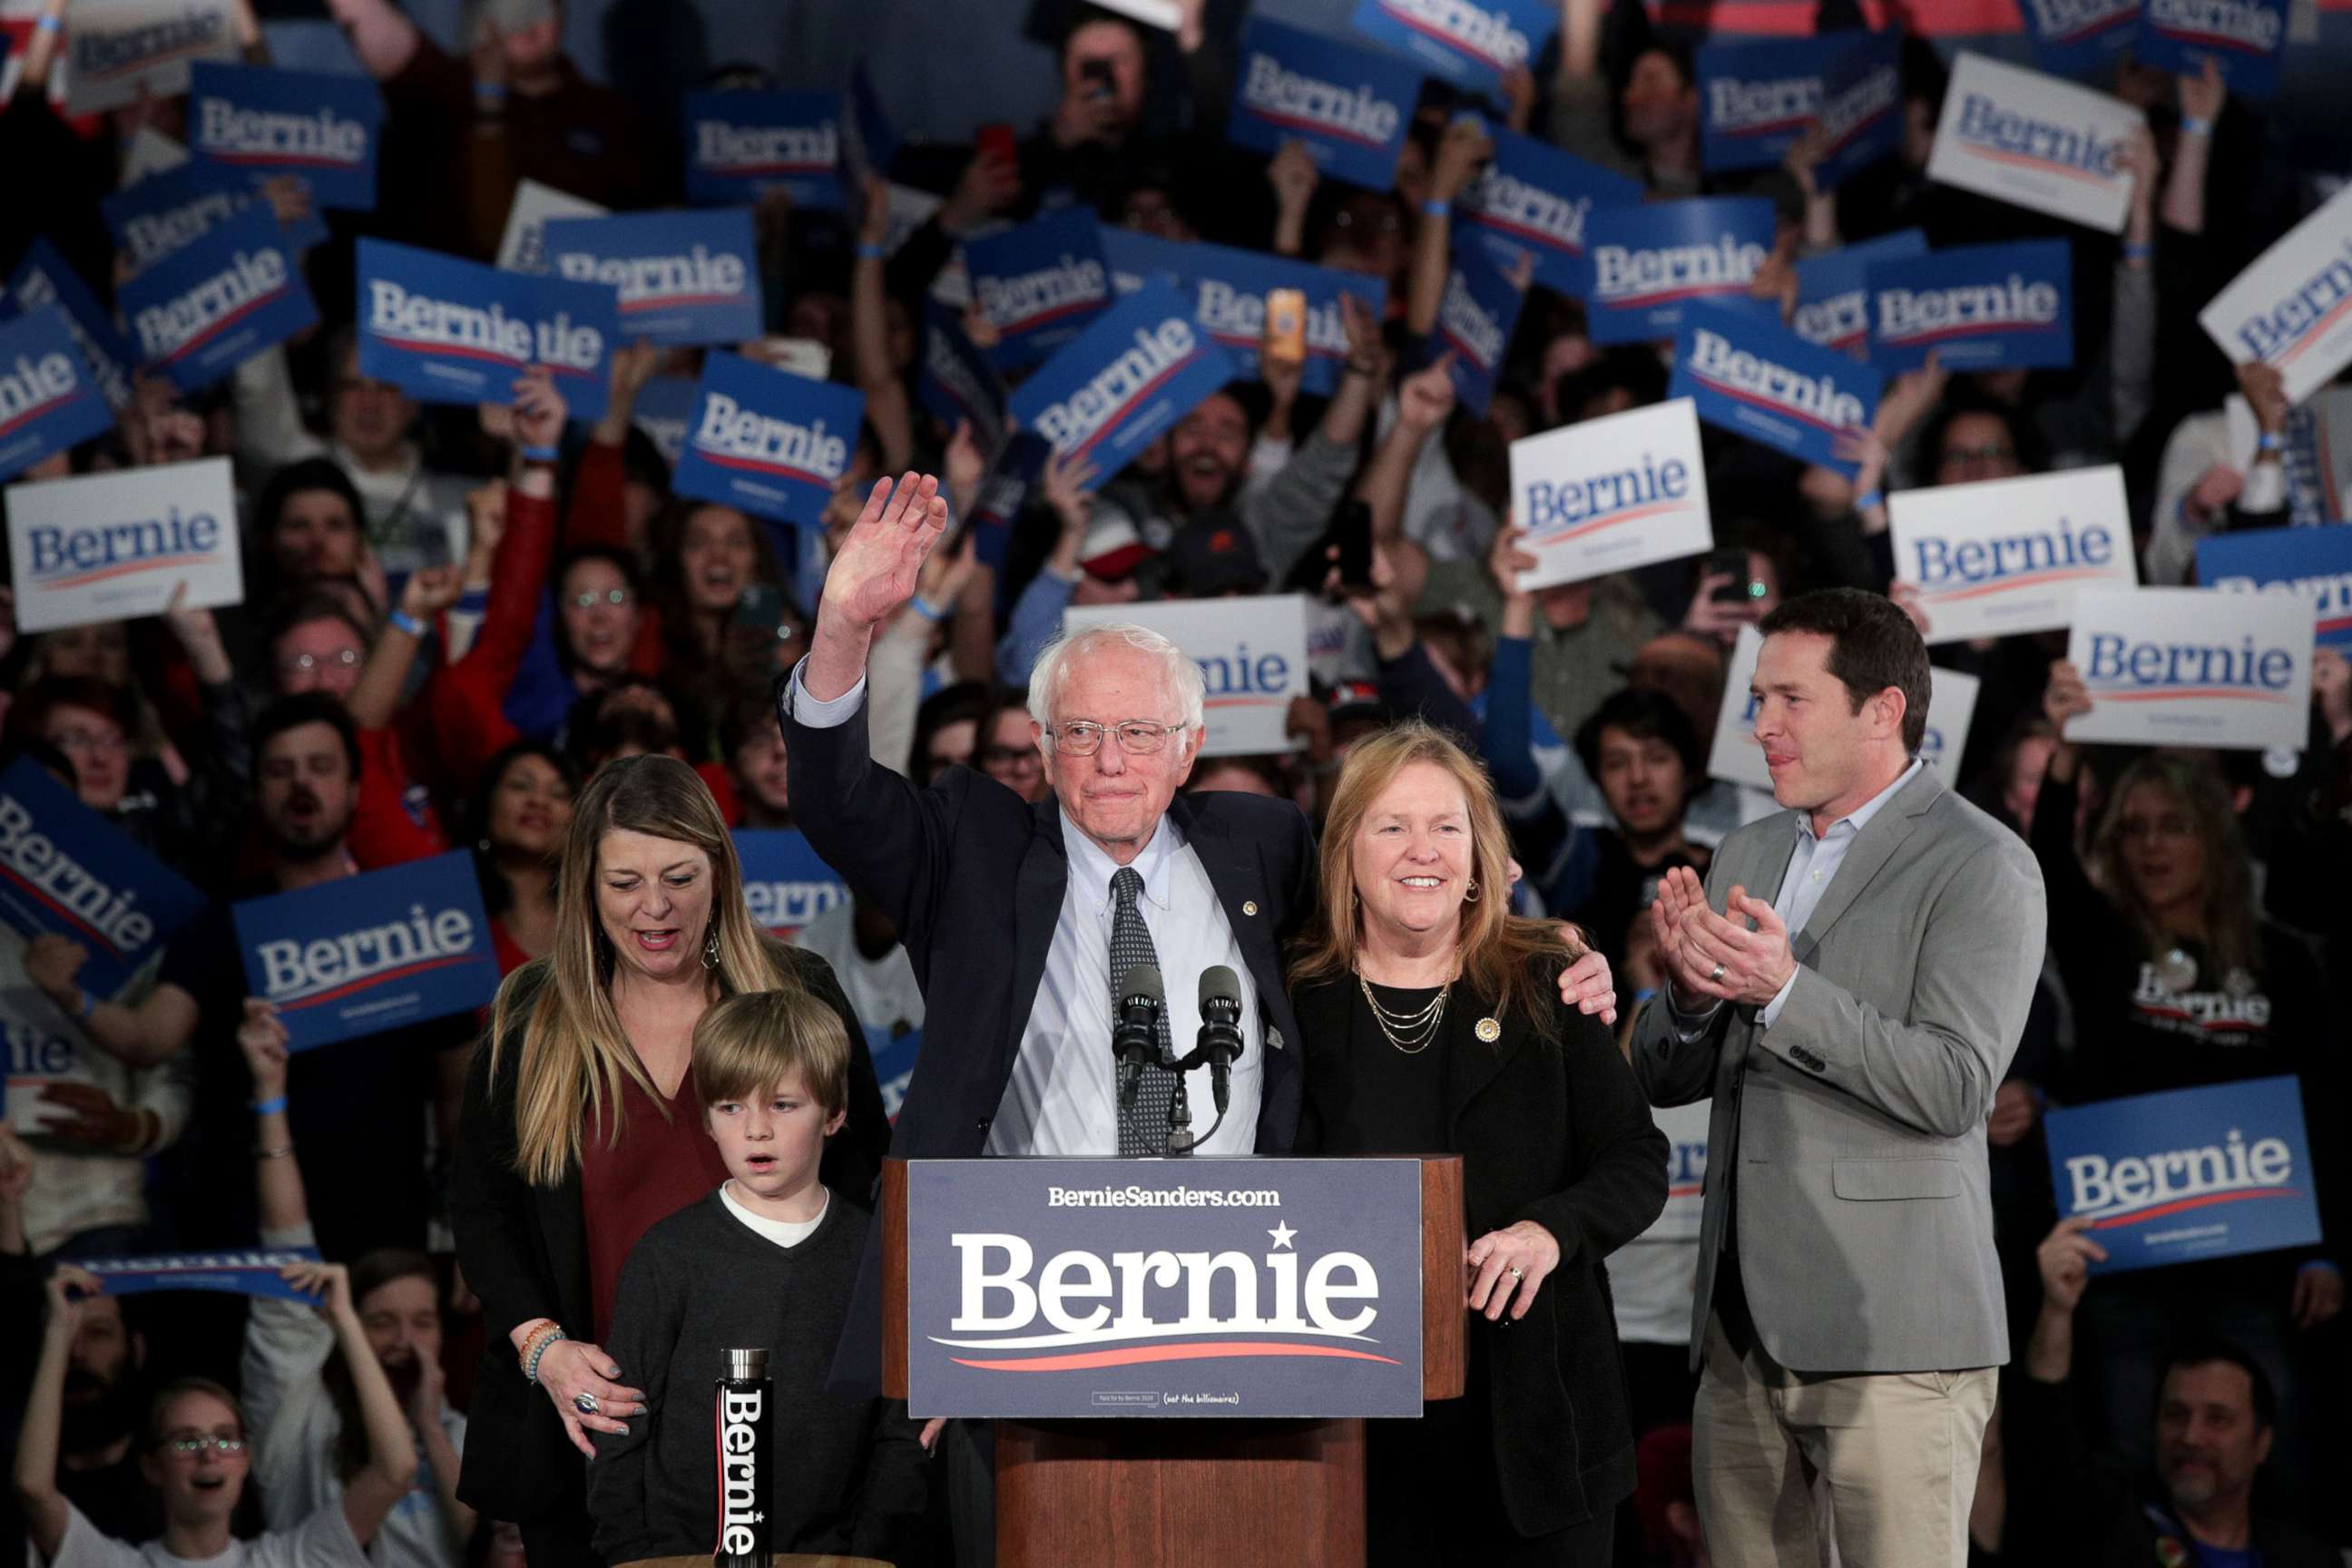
x=1433 y=1025
x=580 y=1130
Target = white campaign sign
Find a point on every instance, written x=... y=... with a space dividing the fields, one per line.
x=2293 y=307
x=1609 y=494
x=1252 y=653
x=2194 y=667
x=2006 y=556
x=2035 y=141
x=114 y=49
x=112 y=547
x=1738 y=759
x=523 y=247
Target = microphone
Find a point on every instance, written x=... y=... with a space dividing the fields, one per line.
x=1135 y=1035
x=1221 y=1029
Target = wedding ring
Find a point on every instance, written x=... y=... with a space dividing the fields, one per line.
x=584 y=1402
x=1715 y=977
x=1515 y=1272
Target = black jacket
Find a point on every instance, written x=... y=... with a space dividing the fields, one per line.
x=1559 y=1134
x=973 y=877
x=524 y=1250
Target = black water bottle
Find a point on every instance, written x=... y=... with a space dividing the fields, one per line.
x=744 y=1420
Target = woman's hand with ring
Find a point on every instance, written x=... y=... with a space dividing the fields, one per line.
x=583 y=1382
x=1507 y=1267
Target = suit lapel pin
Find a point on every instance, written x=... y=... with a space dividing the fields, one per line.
x=1249 y=906
x=1489 y=1031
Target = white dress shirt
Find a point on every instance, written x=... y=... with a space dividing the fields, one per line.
x=1062 y=1099
x=1813 y=863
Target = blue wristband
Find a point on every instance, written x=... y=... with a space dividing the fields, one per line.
x=1869 y=498
x=273 y=1106
x=402 y=621
x=2192 y=126
x=84 y=1006
x=539 y=454
x=2138 y=250
x=868 y=251
x=924 y=608
x=2270 y=441
x=49 y=23
x=1433 y=208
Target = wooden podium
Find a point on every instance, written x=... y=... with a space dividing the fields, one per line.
x=1138 y=1493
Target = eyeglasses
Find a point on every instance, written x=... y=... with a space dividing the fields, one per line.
x=614 y=597
x=1083 y=738
x=304 y=663
x=1014 y=756
x=90 y=740
x=1991 y=452
x=197 y=1442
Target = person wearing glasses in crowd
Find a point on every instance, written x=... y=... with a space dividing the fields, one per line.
x=196 y=1453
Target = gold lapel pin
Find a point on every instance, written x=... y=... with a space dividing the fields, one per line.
x=1249 y=906
x=1489 y=1030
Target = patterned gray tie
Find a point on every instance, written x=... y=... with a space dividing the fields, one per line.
x=1142 y=1126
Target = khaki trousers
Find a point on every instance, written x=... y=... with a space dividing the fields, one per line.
x=1882 y=1464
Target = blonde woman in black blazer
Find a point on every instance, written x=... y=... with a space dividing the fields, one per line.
x=1432 y=1024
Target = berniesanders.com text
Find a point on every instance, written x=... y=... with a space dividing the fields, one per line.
x=1135 y=1197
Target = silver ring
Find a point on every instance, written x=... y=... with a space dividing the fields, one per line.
x=1716 y=976
x=1515 y=1272
x=584 y=1402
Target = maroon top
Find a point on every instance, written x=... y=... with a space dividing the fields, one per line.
x=658 y=1167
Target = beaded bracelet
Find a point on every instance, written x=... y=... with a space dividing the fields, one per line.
x=530 y=1368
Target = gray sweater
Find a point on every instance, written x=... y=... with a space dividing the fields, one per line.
x=849 y=1474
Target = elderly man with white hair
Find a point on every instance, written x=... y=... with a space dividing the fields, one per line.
x=1022 y=919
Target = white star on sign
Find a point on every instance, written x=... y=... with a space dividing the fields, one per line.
x=1282 y=1233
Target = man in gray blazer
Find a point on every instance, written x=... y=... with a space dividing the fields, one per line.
x=1849 y=986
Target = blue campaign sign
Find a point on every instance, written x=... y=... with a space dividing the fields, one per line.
x=446 y=331
x=253 y=1273
x=741 y=145
x=768 y=441
x=1833 y=289
x=784 y=883
x=1532 y=200
x=1229 y=289
x=1755 y=97
x=1756 y=378
x=249 y=124
x=1475 y=317
x=218 y=301
x=65 y=869
x=155 y=217
x=2247 y=39
x=2187 y=1174
x=1469 y=43
x=1349 y=107
x=371 y=952
x=1861 y=118
x=1136 y=257
x=1140 y=367
x=894 y=1056
x=1040 y=284
x=684 y=277
x=2080 y=38
x=1649 y=261
x=665 y=408
x=878 y=138
x=958 y=383
x=49 y=399
x=1163 y=1288
x=44 y=279
x=1976 y=307
x=2314 y=561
